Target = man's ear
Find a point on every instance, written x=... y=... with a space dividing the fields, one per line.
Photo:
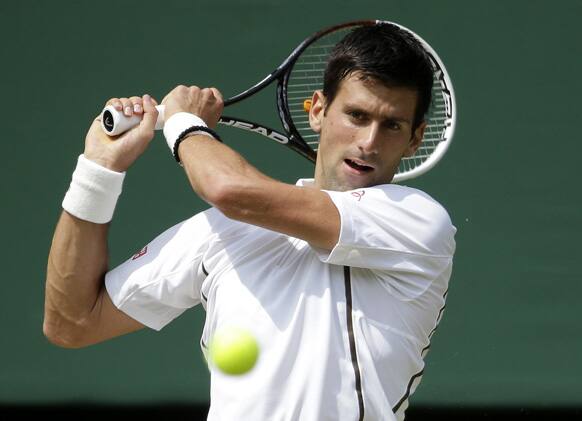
x=316 y=111
x=415 y=140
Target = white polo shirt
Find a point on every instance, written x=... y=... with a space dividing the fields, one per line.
x=342 y=333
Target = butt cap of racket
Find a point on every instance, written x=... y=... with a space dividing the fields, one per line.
x=114 y=122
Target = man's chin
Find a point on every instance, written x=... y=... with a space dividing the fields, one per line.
x=347 y=185
x=360 y=183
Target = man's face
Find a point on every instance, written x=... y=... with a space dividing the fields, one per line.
x=364 y=133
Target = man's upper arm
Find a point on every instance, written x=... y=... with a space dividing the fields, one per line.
x=312 y=215
x=301 y=212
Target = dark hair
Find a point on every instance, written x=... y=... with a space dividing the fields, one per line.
x=384 y=52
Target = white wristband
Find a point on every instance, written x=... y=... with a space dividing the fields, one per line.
x=93 y=192
x=179 y=122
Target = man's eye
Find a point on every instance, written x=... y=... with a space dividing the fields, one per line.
x=393 y=125
x=357 y=115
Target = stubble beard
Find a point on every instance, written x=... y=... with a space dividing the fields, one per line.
x=333 y=182
x=335 y=185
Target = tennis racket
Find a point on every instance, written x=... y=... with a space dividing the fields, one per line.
x=298 y=76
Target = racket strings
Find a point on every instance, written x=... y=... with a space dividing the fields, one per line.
x=307 y=76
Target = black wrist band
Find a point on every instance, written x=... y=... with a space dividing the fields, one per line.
x=187 y=132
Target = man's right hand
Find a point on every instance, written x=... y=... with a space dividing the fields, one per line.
x=118 y=153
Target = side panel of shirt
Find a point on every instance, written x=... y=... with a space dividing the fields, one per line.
x=399 y=243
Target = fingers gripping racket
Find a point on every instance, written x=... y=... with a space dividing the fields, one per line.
x=298 y=76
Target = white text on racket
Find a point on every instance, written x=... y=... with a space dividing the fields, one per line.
x=256 y=129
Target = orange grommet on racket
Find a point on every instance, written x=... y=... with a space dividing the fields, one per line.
x=307 y=105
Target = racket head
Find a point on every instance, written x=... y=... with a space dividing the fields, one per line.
x=302 y=74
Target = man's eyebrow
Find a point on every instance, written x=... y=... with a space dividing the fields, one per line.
x=397 y=119
x=354 y=107
x=385 y=118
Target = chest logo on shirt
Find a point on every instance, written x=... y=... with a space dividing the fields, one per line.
x=359 y=194
x=140 y=253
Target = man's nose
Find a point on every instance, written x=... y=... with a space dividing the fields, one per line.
x=368 y=138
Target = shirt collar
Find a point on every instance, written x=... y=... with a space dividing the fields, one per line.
x=305 y=182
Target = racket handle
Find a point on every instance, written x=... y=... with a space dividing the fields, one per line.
x=114 y=122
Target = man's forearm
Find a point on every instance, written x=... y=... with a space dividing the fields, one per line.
x=76 y=266
x=216 y=171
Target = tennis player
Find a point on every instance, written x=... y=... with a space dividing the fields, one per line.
x=342 y=278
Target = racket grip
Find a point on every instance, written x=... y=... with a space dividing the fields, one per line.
x=114 y=122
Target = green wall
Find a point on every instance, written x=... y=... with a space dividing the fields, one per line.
x=511 y=331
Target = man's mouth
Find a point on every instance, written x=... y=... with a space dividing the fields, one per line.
x=358 y=165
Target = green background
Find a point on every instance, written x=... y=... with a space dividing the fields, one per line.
x=511 y=331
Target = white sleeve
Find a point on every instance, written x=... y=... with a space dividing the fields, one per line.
x=392 y=228
x=163 y=279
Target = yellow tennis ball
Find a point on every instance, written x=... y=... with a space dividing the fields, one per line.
x=233 y=350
